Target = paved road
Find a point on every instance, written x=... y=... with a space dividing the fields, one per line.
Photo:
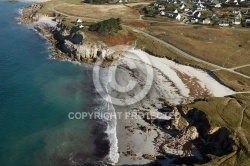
x=182 y=53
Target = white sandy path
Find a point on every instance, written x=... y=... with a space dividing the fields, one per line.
x=168 y=68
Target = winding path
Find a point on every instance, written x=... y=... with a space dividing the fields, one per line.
x=182 y=53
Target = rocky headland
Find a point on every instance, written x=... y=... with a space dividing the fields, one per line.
x=68 y=43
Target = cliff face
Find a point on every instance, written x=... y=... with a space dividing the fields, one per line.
x=71 y=44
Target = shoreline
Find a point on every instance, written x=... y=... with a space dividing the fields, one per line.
x=131 y=147
x=44 y=27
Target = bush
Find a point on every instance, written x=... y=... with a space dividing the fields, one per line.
x=107 y=27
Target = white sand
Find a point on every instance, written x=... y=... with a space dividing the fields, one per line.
x=167 y=84
x=168 y=68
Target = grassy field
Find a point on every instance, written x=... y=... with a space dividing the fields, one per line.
x=99 y=11
x=244 y=70
x=225 y=47
x=232 y=112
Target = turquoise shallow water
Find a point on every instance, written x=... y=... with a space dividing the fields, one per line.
x=36 y=95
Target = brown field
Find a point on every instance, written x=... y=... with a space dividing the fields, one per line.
x=99 y=11
x=225 y=47
x=122 y=38
x=245 y=70
x=137 y=24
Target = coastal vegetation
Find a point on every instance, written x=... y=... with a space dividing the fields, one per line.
x=107 y=27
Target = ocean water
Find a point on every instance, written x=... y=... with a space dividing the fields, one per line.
x=36 y=95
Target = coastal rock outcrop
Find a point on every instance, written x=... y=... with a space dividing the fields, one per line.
x=29 y=14
x=74 y=44
x=188 y=134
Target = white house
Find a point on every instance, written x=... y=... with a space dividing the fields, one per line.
x=78 y=20
x=218 y=5
x=178 y=16
x=182 y=6
x=247 y=20
x=199 y=6
x=224 y=23
x=197 y=14
x=194 y=20
x=162 y=13
x=175 y=11
x=237 y=21
x=205 y=21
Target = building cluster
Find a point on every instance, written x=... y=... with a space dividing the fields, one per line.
x=205 y=12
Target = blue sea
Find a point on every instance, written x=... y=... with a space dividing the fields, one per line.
x=36 y=95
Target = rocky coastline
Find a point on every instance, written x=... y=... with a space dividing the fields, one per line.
x=68 y=43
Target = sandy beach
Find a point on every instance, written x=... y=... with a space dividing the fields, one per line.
x=172 y=84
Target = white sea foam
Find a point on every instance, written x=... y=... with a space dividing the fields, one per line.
x=111 y=122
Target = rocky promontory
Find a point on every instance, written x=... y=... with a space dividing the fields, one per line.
x=73 y=45
x=67 y=43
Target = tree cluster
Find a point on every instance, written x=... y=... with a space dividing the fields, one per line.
x=107 y=27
